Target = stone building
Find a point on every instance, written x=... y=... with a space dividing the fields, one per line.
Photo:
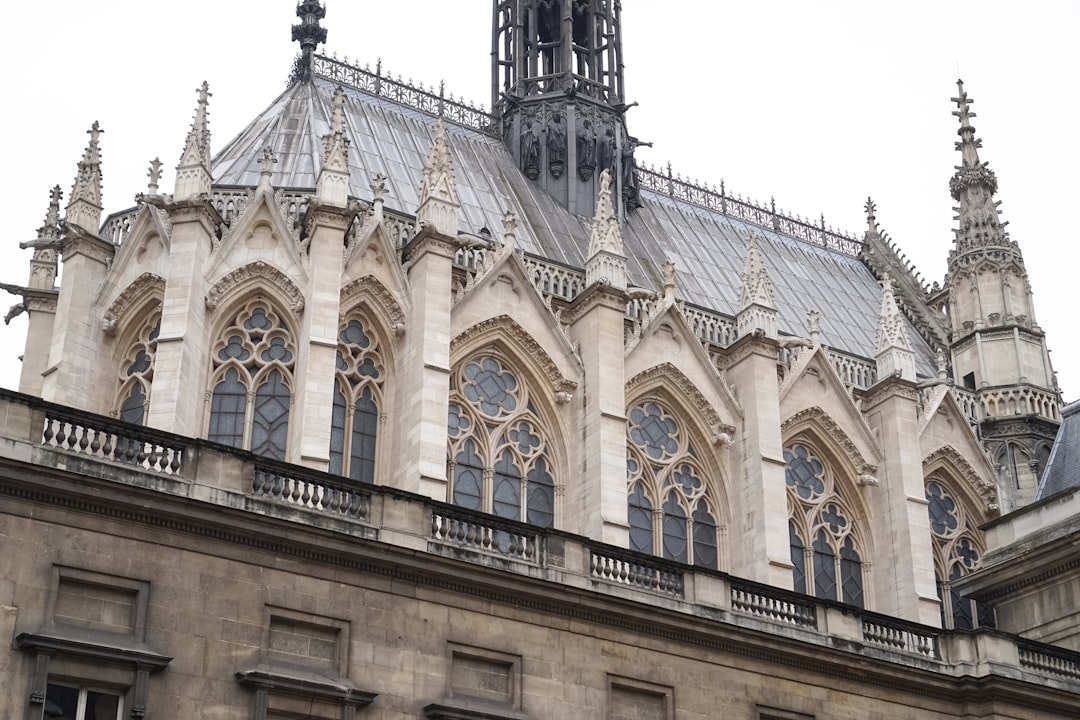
x=396 y=407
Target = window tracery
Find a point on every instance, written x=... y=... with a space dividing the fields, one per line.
x=826 y=554
x=958 y=550
x=669 y=509
x=137 y=372
x=252 y=396
x=358 y=398
x=499 y=458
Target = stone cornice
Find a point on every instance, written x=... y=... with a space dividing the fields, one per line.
x=599 y=294
x=429 y=240
x=502 y=327
x=253 y=272
x=889 y=387
x=320 y=214
x=747 y=345
x=199 y=210
x=77 y=241
x=238 y=534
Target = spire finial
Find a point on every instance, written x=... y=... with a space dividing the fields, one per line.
x=871 y=218
x=193 y=172
x=606 y=262
x=438 y=191
x=332 y=185
x=757 y=308
x=813 y=324
x=155 y=176
x=84 y=209
x=894 y=353
x=963 y=105
x=51 y=228
x=309 y=34
x=973 y=185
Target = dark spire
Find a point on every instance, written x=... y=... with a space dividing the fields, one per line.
x=309 y=34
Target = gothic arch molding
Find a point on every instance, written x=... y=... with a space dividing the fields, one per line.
x=502 y=331
x=371 y=293
x=977 y=488
x=145 y=290
x=259 y=276
x=683 y=392
x=818 y=422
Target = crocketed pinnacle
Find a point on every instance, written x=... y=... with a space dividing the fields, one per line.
x=605 y=236
x=51 y=228
x=438 y=191
x=197 y=146
x=84 y=208
x=973 y=185
x=757 y=288
x=335 y=155
x=891 y=330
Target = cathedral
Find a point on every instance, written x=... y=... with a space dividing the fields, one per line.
x=398 y=407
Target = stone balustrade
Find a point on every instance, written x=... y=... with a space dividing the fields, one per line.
x=128 y=458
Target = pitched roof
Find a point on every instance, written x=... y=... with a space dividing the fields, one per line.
x=1063 y=468
x=706 y=245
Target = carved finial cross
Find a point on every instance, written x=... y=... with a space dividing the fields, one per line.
x=871 y=218
x=669 y=278
x=963 y=105
x=813 y=324
x=155 y=175
x=509 y=220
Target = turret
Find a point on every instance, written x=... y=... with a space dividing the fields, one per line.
x=998 y=350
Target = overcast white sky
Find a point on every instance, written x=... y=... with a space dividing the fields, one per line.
x=818 y=104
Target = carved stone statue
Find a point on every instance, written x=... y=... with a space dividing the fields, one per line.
x=605 y=151
x=556 y=146
x=530 y=150
x=586 y=150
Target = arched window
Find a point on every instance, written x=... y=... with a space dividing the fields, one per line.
x=137 y=373
x=358 y=395
x=663 y=471
x=252 y=396
x=958 y=550
x=825 y=555
x=498 y=458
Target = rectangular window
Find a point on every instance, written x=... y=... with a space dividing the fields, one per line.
x=74 y=703
x=638 y=700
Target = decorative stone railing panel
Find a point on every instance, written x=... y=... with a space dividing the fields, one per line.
x=901 y=637
x=635 y=572
x=969 y=403
x=312 y=491
x=485 y=533
x=856 y=371
x=117 y=225
x=1049 y=660
x=1025 y=400
x=774 y=605
x=93 y=436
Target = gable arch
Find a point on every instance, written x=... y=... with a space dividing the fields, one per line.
x=256 y=277
x=505 y=333
x=371 y=298
x=145 y=291
x=980 y=493
x=831 y=436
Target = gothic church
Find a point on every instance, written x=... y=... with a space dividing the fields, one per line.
x=397 y=407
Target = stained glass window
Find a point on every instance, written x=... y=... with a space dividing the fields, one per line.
x=358 y=392
x=137 y=373
x=252 y=394
x=498 y=453
x=662 y=463
x=957 y=552
x=830 y=566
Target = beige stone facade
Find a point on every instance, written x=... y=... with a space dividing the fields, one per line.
x=307 y=439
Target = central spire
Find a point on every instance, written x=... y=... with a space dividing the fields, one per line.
x=557 y=87
x=309 y=34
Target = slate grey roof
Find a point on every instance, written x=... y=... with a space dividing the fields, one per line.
x=706 y=245
x=1063 y=468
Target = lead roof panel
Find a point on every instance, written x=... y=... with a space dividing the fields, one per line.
x=706 y=246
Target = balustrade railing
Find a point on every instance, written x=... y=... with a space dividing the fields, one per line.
x=856 y=371
x=117 y=225
x=485 y=533
x=311 y=490
x=901 y=637
x=1049 y=660
x=432 y=102
x=94 y=436
x=773 y=605
x=635 y=572
x=664 y=183
x=969 y=403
